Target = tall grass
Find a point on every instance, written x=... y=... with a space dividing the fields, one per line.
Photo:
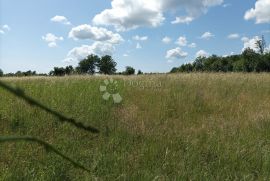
x=168 y=127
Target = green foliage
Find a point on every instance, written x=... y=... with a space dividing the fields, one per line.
x=88 y=65
x=129 y=71
x=1 y=73
x=248 y=61
x=58 y=71
x=106 y=65
x=139 y=72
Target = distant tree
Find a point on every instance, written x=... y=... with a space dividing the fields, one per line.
x=19 y=74
x=261 y=45
x=29 y=73
x=58 y=71
x=88 y=65
x=199 y=63
x=1 y=73
x=106 y=65
x=175 y=70
x=140 y=72
x=69 y=70
x=250 y=60
x=129 y=71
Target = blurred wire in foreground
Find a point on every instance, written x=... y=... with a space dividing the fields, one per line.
x=20 y=93
x=47 y=146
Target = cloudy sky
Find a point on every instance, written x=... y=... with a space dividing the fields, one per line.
x=151 y=35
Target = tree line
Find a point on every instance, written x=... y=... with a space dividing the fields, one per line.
x=92 y=64
x=248 y=61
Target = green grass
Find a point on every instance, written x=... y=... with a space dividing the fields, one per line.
x=178 y=127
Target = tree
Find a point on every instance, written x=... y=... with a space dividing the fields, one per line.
x=106 y=65
x=88 y=65
x=250 y=60
x=69 y=70
x=58 y=71
x=129 y=71
x=261 y=45
x=1 y=73
x=139 y=72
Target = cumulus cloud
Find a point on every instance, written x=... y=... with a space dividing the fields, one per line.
x=166 y=40
x=51 y=39
x=233 y=36
x=176 y=53
x=250 y=43
x=60 y=19
x=94 y=33
x=261 y=12
x=207 y=35
x=130 y=14
x=201 y=53
x=182 y=41
x=6 y=27
x=192 y=45
x=140 y=38
x=97 y=48
x=226 y=5
x=182 y=19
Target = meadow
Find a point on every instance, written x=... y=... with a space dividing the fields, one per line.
x=197 y=126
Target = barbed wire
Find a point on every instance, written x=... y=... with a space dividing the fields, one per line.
x=20 y=94
x=46 y=145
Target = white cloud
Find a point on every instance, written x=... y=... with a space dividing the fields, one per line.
x=182 y=41
x=201 y=53
x=140 y=38
x=261 y=12
x=130 y=14
x=125 y=55
x=94 y=33
x=52 y=44
x=226 y=5
x=226 y=55
x=182 y=19
x=6 y=27
x=233 y=36
x=138 y=46
x=207 y=35
x=166 y=40
x=60 y=19
x=97 y=48
x=267 y=49
x=176 y=53
x=192 y=45
x=51 y=39
x=250 y=43
x=244 y=39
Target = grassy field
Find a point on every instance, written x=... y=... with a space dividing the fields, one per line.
x=168 y=127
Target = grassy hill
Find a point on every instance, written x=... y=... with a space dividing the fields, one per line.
x=167 y=127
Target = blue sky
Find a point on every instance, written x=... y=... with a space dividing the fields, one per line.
x=40 y=35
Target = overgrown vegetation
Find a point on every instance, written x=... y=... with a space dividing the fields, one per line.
x=195 y=126
x=248 y=61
